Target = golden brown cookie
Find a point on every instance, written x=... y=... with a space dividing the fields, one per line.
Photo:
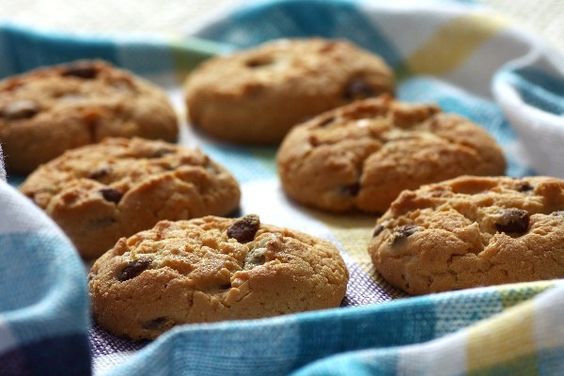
x=99 y=193
x=212 y=269
x=257 y=95
x=50 y=110
x=361 y=156
x=472 y=231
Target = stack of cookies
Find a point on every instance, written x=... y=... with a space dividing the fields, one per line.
x=98 y=142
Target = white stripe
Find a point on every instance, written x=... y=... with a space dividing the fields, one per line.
x=549 y=319
x=105 y=363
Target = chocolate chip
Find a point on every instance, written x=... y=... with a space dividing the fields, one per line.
x=403 y=232
x=84 y=70
x=99 y=173
x=155 y=324
x=22 y=109
x=350 y=190
x=112 y=195
x=524 y=187
x=258 y=62
x=326 y=121
x=358 y=88
x=513 y=221
x=133 y=269
x=160 y=153
x=377 y=230
x=244 y=229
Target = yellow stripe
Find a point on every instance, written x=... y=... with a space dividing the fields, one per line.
x=453 y=44
x=501 y=339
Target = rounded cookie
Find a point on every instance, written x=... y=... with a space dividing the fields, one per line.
x=361 y=156
x=257 y=95
x=99 y=193
x=472 y=231
x=212 y=269
x=50 y=110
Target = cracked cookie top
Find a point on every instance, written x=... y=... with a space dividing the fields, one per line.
x=472 y=231
x=50 y=110
x=257 y=95
x=361 y=156
x=99 y=193
x=211 y=269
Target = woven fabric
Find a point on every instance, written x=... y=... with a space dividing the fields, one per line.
x=449 y=53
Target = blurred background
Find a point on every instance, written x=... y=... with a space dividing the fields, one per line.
x=544 y=17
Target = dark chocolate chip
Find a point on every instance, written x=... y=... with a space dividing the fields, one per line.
x=160 y=153
x=358 y=88
x=524 y=187
x=244 y=229
x=155 y=324
x=377 y=230
x=99 y=173
x=258 y=62
x=133 y=269
x=85 y=71
x=403 y=232
x=326 y=121
x=112 y=195
x=514 y=221
x=350 y=190
x=22 y=109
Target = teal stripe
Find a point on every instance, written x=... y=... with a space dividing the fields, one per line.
x=44 y=291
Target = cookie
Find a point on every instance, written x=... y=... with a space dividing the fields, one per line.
x=472 y=231
x=257 y=95
x=361 y=156
x=211 y=269
x=99 y=193
x=50 y=110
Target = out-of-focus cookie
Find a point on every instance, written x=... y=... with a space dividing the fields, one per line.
x=257 y=95
x=50 y=110
x=361 y=156
x=99 y=193
x=212 y=269
x=472 y=231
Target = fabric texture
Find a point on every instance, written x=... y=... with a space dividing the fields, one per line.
x=452 y=54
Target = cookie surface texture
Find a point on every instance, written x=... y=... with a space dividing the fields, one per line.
x=470 y=232
x=361 y=156
x=257 y=95
x=50 y=110
x=99 y=193
x=211 y=269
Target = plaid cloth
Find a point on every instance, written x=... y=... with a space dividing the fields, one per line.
x=446 y=52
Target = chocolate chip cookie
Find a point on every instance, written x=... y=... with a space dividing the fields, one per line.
x=50 y=110
x=99 y=193
x=361 y=156
x=212 y=269
x=472 y=231
x=257 y=95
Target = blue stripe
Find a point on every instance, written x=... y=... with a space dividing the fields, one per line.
x=302 y=18
x=59 y=355
x=23 y=49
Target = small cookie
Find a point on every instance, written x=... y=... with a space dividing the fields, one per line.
x=211 y=269
x=361 y=156
x=99 y=193
x=257 y=95
x=50 y=110
x=472 y=231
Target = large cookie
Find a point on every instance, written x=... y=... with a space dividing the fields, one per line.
x=361 y=156
x=50 y=110
x=256 y=96
x=99 y=193
x=212 y=269
x=472 y=231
